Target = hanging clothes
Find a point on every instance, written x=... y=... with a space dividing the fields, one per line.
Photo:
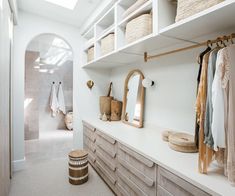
x=61 y=103
x=228 y=85
x=208 y=140
x=200 y=60
x=53 y=101
x=218 y=118
x=205 y=153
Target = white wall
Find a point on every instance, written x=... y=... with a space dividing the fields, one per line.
x=85 y=102
x=171 y=102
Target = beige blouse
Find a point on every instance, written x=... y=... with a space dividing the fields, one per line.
x=228 y=85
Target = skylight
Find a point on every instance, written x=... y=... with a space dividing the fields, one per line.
x=69 y=4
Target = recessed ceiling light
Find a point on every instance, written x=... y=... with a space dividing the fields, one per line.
x=69 y=4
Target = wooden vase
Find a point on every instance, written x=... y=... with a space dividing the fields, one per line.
x=116 y=110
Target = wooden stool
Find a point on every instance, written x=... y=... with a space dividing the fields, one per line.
x=78 y=167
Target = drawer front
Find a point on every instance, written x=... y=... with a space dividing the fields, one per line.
x=109 y=162
x=106 y=137
x=103 y=170
x=137 y=178
x=89 y=134
x=176 y=185
x=89 y=144
x=106 y=146
x=162 y=192
x=139 y=163
x=127 y=186
x=88 y=126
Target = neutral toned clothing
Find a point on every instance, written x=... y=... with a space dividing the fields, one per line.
x=200 y=60
x=61 y=102
x=228 y=85
x=53 y=101
x=205 y=153
x=208 y=140
x=218 y=119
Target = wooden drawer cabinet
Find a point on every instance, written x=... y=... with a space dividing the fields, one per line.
x=129 y=173
x=136 y=171
x=177 y=186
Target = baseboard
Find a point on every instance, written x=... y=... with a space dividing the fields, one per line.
x=19 y=164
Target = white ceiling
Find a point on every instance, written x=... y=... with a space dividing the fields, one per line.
x=76 y=17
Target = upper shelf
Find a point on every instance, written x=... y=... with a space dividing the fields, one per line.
x=169 y=35
x=215 y=19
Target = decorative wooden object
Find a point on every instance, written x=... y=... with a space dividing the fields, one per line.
x=116 y=110
x=124 y=115
x=166 y=134
x=78 y=167
x=105 y=103
x=182 y=142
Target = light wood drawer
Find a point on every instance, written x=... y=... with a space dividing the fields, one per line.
x=106 y=137
x=162 y=192
x=102 y=169
x=141 y=176
x=88 y=126
x=176 y=185
x=91 y=158
x=108 y=148
x=139 y=162
x=127 y=186
x=146 y=184
x=90 y=134
x=109 y=162
x=89 y=144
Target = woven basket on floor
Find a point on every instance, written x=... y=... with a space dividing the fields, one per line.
x=90 y=54
x=138 y=28
x=107 y=44
x=186 y=8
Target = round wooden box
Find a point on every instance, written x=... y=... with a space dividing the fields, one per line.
x=78 y=167
x=182 y=142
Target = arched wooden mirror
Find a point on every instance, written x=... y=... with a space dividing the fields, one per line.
x=133 y=100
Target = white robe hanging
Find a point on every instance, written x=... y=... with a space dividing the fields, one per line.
x=53 y=101
x=61 y=100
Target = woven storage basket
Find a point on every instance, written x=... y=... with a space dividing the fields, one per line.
x=107 y=44
x=186 y=8
x=138 y=27
x=90 y=54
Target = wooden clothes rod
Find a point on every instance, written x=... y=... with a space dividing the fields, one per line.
x=218 y=40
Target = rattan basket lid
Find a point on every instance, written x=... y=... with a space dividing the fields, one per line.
x=78 y=154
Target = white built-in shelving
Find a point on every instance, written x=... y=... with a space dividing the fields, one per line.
x=167 y=34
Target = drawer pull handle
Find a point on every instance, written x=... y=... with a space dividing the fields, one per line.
x=106 y=173
x=149 y=182
x=92 y=138
x=132 y=185
x=109 y=152
x=106 y=161
x=107 y=138
x=137 y=156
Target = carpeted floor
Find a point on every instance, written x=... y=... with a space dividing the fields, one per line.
x=46 y=172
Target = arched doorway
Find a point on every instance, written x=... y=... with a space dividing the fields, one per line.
x=48 y=97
